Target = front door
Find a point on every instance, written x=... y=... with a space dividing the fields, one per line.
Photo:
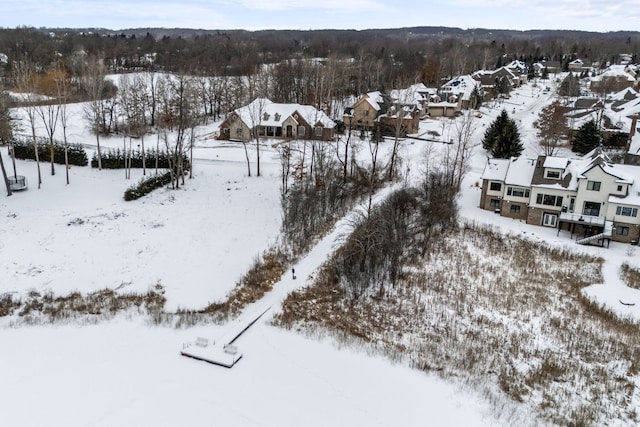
x=549 y=220
x=289 y=131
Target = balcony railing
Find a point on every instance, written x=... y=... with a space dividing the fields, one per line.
x=582 y=219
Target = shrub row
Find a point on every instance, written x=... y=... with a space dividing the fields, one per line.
x=23 y=149
x=115 y=159
x=146 y=186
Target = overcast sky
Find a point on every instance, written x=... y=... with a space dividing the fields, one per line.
x=590 y=15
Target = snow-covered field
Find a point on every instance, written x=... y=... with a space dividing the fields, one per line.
x=197 y=242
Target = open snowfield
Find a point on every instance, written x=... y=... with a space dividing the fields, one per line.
x=197 y=242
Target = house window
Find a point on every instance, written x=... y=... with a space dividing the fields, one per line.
x=591 y=208
x=495 y=186
x=300 y=130
x=319 y=131
x=622 y=231
x=261 y=131
x=515 y=209
x=619 y=188
x=553 y=174
x=549 y=200
x=495 y=203
x=517 y=192
x=593 y=185
x=626 y=211
x=366 y=112
x=239 y=132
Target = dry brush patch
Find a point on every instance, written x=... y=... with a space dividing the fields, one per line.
x=259 y=279
x=37 y=308
x=630 y=275
x=496 y=311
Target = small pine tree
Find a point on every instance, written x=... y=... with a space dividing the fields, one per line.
x=587 y=138
x=502 y=138
x=476 y=98
x=544 y=75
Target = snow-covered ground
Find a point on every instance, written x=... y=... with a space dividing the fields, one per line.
x=196 y=242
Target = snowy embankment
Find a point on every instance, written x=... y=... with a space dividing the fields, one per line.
x=196 y=241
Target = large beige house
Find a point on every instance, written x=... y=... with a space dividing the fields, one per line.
x=263 y=118
x=590 y=197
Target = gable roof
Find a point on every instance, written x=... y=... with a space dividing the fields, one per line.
x=264 y=112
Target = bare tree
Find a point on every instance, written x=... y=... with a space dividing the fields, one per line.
x=552 y=126
x=178 y=120
x=49 y=112
x=25 y=78
x=93 y=76
x=258 y=89
x=458 y=151
x=133 y=94
x=63 y=92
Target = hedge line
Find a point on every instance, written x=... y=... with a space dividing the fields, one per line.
x=146 y=186
x=23 y=149
x=115 y=159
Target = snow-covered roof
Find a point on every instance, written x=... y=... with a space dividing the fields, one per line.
x=520 y=171
x=496 y=169
x=375 y=99
x=633 y=195
x=555 y=162
x=416 y=94
x=617 y=71
x=461 y=86
x=625 y=94
x=264 y=112
x=519 y=65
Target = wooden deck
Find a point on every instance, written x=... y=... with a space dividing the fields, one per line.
x=223 y=352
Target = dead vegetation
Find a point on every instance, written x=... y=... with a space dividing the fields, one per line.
x=630 y=276
x=36 y=308
x=263 y=274
x=502 y=313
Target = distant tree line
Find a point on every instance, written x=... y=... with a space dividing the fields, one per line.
x=382 y=57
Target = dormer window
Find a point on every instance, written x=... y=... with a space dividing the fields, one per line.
x=277 y=117
x=265 y=116
x=552 y=174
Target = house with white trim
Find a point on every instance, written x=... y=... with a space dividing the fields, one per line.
x=590 y=197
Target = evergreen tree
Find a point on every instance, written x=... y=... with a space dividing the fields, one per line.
x=475 y=101
x=531 y=72
x=544 y=75
x=502 y=138
x=587 y=138
x=570 y=86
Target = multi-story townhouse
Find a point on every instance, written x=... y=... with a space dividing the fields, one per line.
x=589 y=196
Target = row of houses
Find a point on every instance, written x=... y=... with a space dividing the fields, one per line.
x=399 y=110
x=591 y=197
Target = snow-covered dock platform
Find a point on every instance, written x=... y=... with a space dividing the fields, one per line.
x=214 y=354
x=223 y=352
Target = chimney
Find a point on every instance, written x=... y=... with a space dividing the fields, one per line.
x=632 y=131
